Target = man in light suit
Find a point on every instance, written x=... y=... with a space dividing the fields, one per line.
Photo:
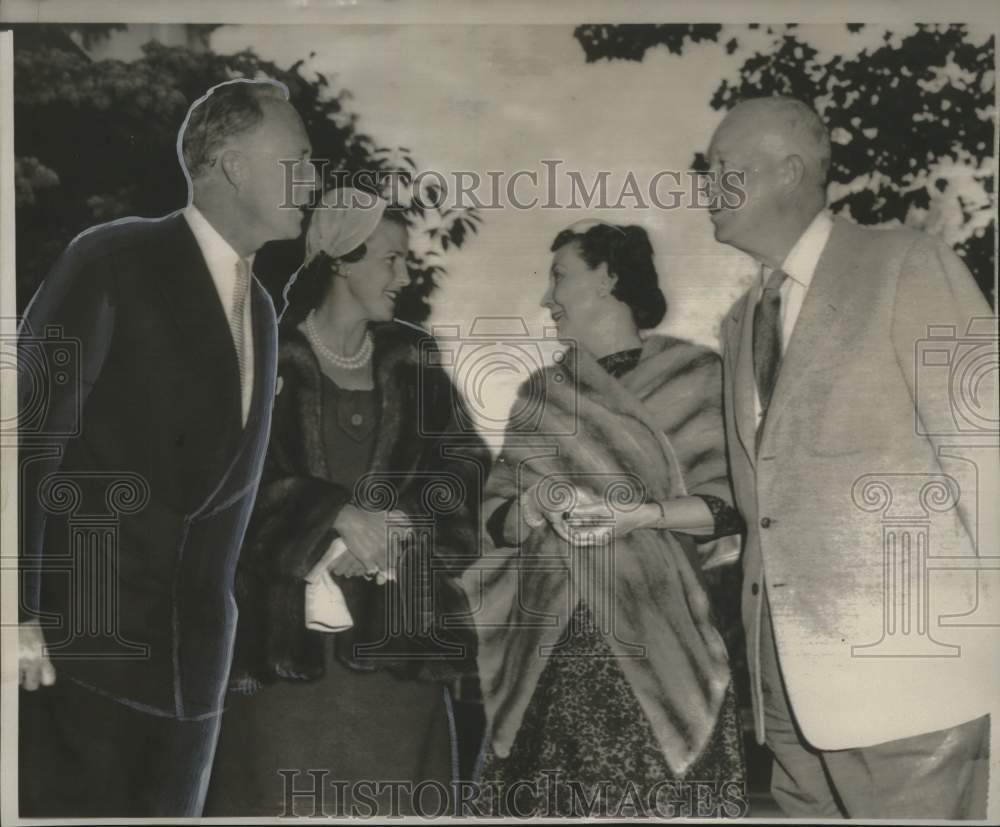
x=833 y=426
x=125 y=656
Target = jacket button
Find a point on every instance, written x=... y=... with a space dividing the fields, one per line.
x=765 y=522
x=755 y=589
x=357 y=419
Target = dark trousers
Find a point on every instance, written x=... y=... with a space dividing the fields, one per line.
x=935 y=775
x=83 y=755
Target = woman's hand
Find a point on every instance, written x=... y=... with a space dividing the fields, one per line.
x=534 y=513
x=349 y=565
x=602 y=520
x=685 y=515
x=366 y=534
x=339 y=560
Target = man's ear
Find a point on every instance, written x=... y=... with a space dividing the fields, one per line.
x=233 y=167
x=793 y=170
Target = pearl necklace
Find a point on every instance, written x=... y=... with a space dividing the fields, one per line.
x=358 y=360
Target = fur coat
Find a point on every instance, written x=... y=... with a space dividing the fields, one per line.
x=427 y=461
x=654 y=434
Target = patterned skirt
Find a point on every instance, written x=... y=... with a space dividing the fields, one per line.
x=585 y=748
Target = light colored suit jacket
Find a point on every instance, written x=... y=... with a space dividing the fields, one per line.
x=850 y=496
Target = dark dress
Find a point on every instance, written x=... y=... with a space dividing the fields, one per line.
x=585 y=722
x=352 y=724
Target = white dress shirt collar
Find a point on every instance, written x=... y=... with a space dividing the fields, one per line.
x=800 y=263
x=220 y=257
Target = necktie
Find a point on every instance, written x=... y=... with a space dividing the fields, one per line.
x=240 y=291
x=767 y=341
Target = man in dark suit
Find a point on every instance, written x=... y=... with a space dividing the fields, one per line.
x=830 y=420
x=139 y=473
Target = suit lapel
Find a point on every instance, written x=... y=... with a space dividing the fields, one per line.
x=812 y=331
x=190 y=296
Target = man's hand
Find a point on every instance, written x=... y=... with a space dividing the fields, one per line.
x=34 y=667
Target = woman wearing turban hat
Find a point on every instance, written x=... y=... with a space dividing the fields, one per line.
x=371 y=489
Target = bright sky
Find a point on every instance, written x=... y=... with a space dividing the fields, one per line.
x=497 y=97
x=507 y=97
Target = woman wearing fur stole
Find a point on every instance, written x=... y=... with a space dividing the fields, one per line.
x=366 y=516
x=604 y=675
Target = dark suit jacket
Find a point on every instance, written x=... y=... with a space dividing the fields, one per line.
x=138 y=476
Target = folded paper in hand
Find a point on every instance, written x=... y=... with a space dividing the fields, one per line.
x=326 y=608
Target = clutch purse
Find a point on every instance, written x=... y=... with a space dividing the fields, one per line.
x=326 y=607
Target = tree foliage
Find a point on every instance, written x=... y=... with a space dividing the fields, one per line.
x=629 y=41
x=96 y=140
x=912 y=121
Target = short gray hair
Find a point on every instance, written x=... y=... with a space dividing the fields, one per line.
x=227 y=109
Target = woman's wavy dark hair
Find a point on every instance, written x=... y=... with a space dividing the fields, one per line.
x=629 y=256
x=313 y=281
